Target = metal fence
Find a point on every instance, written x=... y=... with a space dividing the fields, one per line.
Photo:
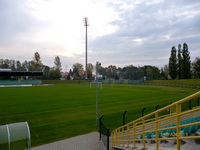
x=193 y=86
x=179 y=125
x=104 y=133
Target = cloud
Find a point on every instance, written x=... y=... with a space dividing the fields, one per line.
x=15 y=20
x=120 y=32
x=147 y=30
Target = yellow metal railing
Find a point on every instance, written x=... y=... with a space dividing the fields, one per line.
x=135 y=133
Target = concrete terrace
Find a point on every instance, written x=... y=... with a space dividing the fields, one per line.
x=88 y=141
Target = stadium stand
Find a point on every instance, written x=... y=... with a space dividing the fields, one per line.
x=21 y=75
x=18 y=82
x=158 y=127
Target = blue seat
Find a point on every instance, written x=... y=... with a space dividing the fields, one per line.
x=153 y=135
x=140 y=137
x=186 y=130
x=148 y=135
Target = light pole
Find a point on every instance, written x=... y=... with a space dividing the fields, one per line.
x=97 y=113
x=85 y=20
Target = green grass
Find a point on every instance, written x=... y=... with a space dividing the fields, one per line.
x=62 y=111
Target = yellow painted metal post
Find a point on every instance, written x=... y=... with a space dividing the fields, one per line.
x=113 y=141
x=119 y=141
x=178 y=141
x=143 y=133
x=157 y=134
x=128 y=137
x=117 y=137
x=123 y=136
x=114 y=138
x=134 y=135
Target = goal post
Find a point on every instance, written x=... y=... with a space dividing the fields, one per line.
x=94 y=82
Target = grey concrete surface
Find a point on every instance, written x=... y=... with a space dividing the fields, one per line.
x=88 y=141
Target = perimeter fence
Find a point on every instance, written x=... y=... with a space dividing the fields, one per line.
x=184 y=85
x=194 y=84
x=109 y=122
x=104 y=133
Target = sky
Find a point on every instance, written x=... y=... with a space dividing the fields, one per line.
x=120 y=32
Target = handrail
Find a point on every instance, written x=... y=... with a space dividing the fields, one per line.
x=138 y=129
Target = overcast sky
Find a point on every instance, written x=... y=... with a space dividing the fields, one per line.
x=120 y=32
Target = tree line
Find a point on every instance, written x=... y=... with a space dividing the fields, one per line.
x=113 y=72
x=33 y=65
x=179 y=67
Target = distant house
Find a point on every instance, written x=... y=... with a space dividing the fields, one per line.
x=64 y=74
x=81 y=73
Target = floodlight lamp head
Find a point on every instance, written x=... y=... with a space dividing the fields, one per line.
x=85 y=21
x=98 y=63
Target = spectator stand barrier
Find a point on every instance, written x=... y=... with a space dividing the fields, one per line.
x=15 y=136
x=141 y=81
x=119 y=82
x=19 y=82
x=104 y=133
x=156 y=127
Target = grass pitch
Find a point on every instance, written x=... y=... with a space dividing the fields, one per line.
x=62 y=111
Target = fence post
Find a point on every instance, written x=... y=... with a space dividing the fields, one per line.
x=157 y=107
x=108 y=133
x=143 y=111
x=198 y=101
x=169 y=109
x=124 y=119
x=190 y=106
x=100 y=127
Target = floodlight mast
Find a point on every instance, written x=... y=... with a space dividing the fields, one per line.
x=85 y=20
x=98 y=64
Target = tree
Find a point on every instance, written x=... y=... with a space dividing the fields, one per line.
x=164 y=72
x=131 y=72
x=78 y=66
x=90 y=67
x=5 y=63
x=156 y=72
x=180 y=63
x=173 y=63
x=149 y=73
x=30 y=65
x=19 y=66
x=89 y=73
x=70 y=75
x=196 y=67
x=25 y=65
x=77 y=71
x=120 y=73
x=46 y=72
x=54 y=74
x=186 y=63
x=111 y=71
x=90 y=70
x=102 y=71
x=37 y=63
x=58 y=63
x=12 y=64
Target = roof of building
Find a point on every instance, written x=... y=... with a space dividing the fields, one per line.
x=21 y=73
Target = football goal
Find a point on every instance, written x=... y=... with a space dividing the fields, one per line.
x=96 y=82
